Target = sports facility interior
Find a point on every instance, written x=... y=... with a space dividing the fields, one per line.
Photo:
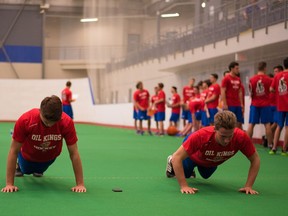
x=104 y=47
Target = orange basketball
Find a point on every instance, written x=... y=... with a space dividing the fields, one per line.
x=151 y=112
x=172 y=131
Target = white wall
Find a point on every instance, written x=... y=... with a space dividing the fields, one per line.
x=18 y=96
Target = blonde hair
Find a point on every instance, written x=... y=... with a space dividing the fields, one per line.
x=225 y=119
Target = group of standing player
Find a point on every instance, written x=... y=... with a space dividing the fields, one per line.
x=201 y=102
x=269 y=104
x=142 y=105
x=199 y=105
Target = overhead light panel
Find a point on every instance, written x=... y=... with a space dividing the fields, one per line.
x=170 y=15
x=89 y=20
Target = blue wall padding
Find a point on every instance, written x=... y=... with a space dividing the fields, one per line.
x=24 y=54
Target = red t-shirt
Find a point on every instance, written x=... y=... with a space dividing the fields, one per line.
x=188 y=92
x=176 y=99
x=153 y=99
x=243 y=93
x=259 y=87
x=142 y=98
x=66 y=96
x=279 y=83
x=232 y=85
x=161 y=106
x=272 y=99
x=203 y=149
x=41 y=143
x=196 y=104
x=204 y=94
x=214 y=89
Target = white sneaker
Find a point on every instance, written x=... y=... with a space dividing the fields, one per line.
x=169 y=168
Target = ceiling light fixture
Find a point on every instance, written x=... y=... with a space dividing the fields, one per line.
x=89 y=20
x=169 y=15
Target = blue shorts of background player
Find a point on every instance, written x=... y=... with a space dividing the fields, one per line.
x=189 y=166
x=174 y=117
x=212 y=113
x=237 y=110
x=68 y=110
x=204 y=120
x=259 y=115
x=160 y=116
x=155 y=117
x=28 y=167
x=185 y=114
x=281 y=118
x=189 y=115
x=198 y=115
x=273 y=113
x=135 y=115
x=142 y=115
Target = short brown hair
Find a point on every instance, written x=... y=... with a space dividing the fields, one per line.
x=138 y=84
x=51 y=108
x=262 y=66
x=68 y=84
x=161 y=85
x=225 y=119
x=215 y=75
x=233 y=65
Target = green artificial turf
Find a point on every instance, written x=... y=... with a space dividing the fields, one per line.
x=118 y=158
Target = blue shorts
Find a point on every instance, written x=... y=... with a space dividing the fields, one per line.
x=198 y=115
x=259 y=115
x=204 y=119
x=189 y=115
x=160 y=116
x=28 y=167
x=212 y=113
x=174 y=117
x=135 y=115
x=68 y=110
x=237 y=110
x=142 y=115
x=273 y=113
x=189 y=165
x=281 y=118
x=155 y=117
x=185 y=114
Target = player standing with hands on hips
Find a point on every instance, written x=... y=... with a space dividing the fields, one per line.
x=37 y=142
x=209 y=147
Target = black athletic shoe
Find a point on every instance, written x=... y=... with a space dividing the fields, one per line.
x=264 y=141
x=169 y=168
x=18 y=172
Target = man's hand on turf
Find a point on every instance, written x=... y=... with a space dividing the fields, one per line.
x=188 y=190
x=248 y=190
x=9 y=189
x=79 y=189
